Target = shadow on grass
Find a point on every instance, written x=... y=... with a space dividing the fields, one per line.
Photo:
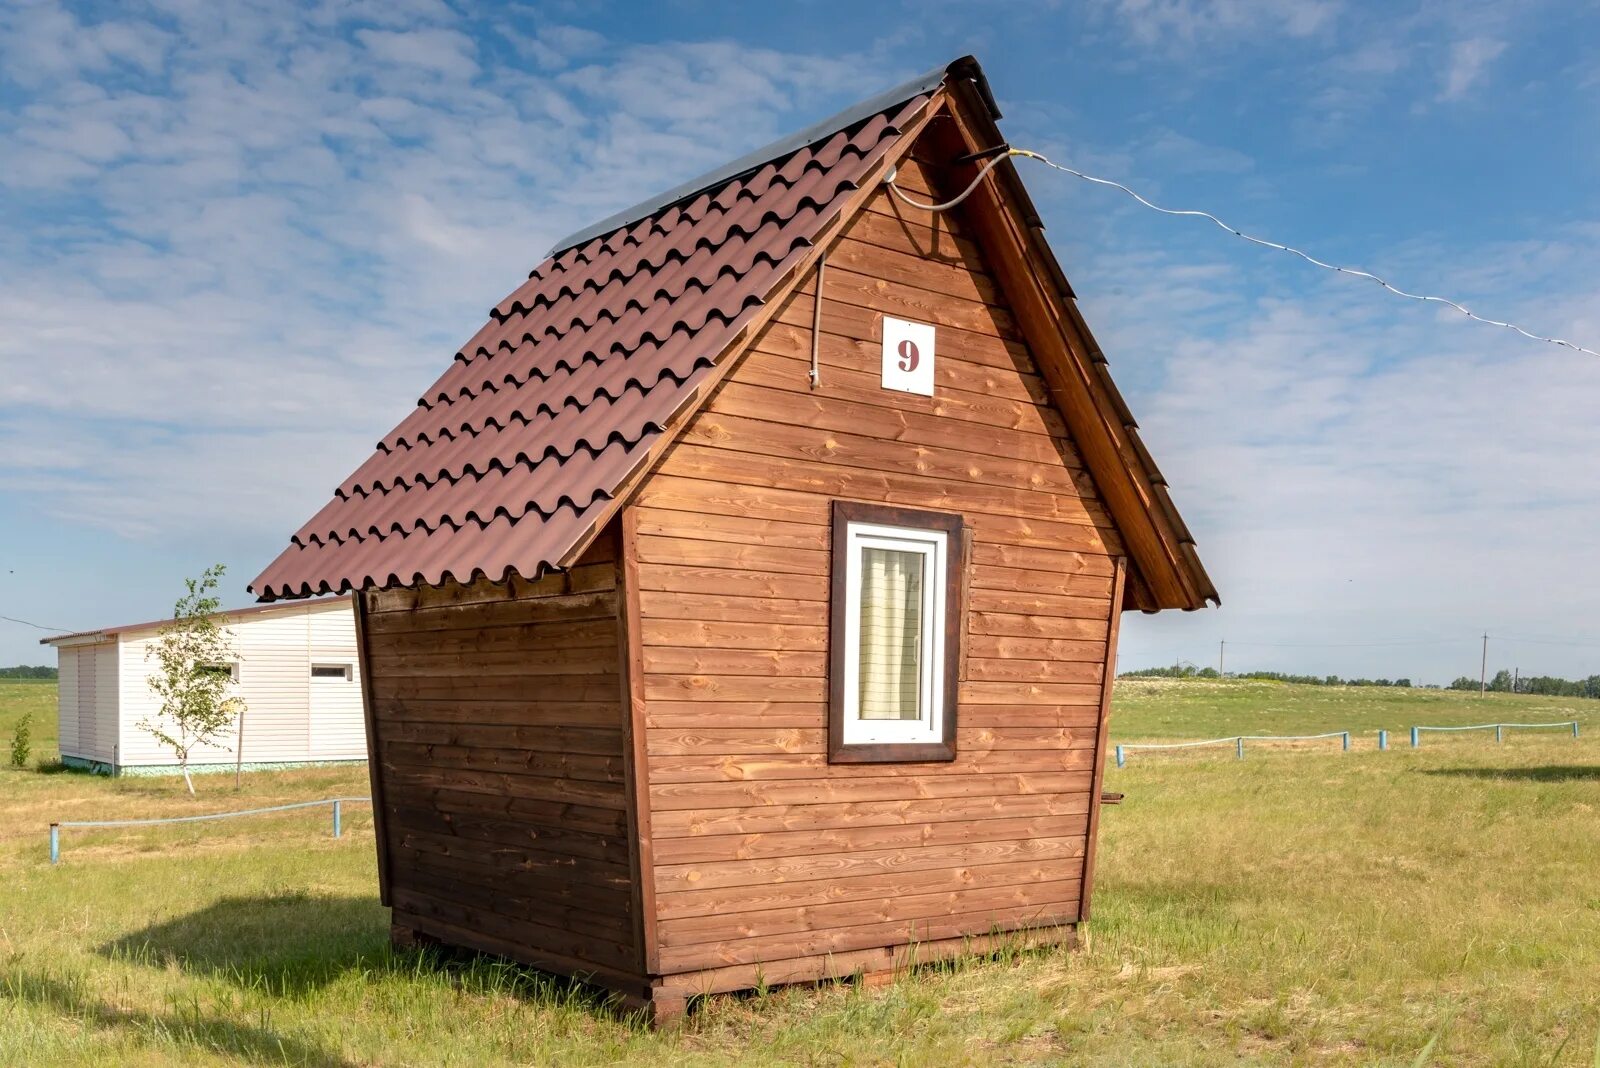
x=188 y=1027
x=1544 y=773
x=296 y=943
x=283 y=943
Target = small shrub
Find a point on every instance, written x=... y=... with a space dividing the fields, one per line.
x=22 y=741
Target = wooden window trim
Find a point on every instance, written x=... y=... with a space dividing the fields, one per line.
x=845 y=513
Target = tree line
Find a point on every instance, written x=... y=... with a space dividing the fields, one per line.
x=1543 y=685
x=1189 y=671
x=1504 y=681
x=26 y=671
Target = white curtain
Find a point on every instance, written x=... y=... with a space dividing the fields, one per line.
x=891 y=634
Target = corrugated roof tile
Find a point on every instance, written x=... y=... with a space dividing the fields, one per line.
x=514 y=452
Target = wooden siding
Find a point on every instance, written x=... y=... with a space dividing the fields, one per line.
x=282 y=724
x=763 y=852
x=498 y=726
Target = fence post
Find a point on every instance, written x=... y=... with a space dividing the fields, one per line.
x=1347 y=741
x=55 y=843
x=1415 y=734
x=1574 y=728
x=1121 y=761
x=1383 y=741
x=1500 y=732
x=336 y=821
x=1241 y=746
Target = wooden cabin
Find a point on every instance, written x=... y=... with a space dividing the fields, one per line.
x=738 y=606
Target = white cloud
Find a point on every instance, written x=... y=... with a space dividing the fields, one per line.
x=1469 y=61
x=1355 y=466
x=446 y=52
x=42 y=43
x=226 y=278
x=1189 y=22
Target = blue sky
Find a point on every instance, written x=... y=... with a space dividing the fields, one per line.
x=237 y=240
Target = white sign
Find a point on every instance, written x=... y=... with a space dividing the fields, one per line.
x=907 y=356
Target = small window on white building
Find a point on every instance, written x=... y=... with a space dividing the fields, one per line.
x=231 y=670
x=895 y=634
x=342 y=672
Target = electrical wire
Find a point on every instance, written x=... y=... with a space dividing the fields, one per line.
x=1349 y=645
x=36 y=626
x=965 y=193
x=1356 y=272
x=1543 y=641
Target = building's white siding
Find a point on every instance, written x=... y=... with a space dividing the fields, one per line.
x=107 y=692
x=87 y=696
x=338 y=727
x=282 y=721
x=67 y=699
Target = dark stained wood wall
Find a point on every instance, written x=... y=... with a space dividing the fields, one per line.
x=498 y=728
x=762 y=851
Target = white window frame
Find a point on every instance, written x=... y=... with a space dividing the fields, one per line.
x=348 y=669
x=934 y=547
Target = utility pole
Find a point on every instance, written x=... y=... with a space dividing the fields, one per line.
x=1222 y=654
x=1516 y=680
x=1483 y=668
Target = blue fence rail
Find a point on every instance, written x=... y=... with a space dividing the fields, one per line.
x=1236 y=740
x=1498 y=728
x=338 y=804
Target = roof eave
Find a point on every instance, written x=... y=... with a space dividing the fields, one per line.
x=85 y=637
x=1190 y=587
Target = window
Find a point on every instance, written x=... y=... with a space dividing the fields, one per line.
x=230 y=670
x=894 y=645
x=331 y=671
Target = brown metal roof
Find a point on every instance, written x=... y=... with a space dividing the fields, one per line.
x=515 y=455
x=510 y=457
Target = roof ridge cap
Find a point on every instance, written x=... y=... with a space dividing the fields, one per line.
x=964 y=67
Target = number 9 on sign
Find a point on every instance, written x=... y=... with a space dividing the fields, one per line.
x=907 y=356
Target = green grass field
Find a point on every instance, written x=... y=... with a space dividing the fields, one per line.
x=1298 y=907
x=35 y=698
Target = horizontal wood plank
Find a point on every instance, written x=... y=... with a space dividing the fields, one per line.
x=894 y=958
x=700 y=768
x=671 y=878
x=708 y=849
x=666 y=797
x=845 y=939
x=712 y=908
x=736 y=498
x=763 y=819
x=858 y=925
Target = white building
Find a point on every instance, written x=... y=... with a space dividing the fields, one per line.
x=295 y=668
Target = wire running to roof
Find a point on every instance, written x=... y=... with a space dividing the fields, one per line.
x=1423 y=297
x=36 y=626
